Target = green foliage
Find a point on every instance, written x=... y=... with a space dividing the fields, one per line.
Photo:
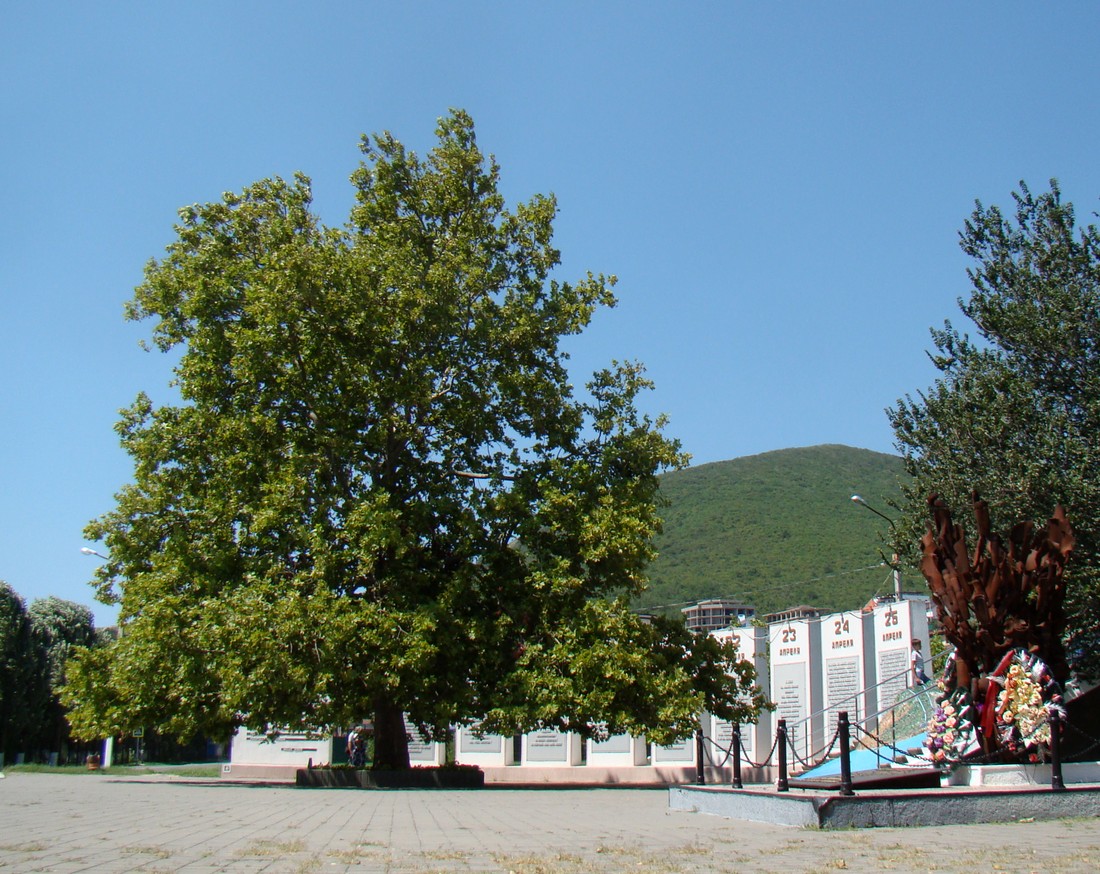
x=1015 y=412
x=59 y=626
x=18 y=663
x=622 y=676
x=297 y=548
x=778 y=529
x=58 y=629
x=35 y=645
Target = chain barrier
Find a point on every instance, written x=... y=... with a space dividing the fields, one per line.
x=807 y=763
x=728 y=754
x=872 y=741
x=767 y=760
x=1079 y=756
x=810 y=765
x=718 y=746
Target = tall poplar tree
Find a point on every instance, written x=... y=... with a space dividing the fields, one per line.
x=18 y=675
x=379 y=493
x=58 y=628
x=1015 y=412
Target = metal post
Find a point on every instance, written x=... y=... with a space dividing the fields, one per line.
x=1056 y=782
x=736 y=752
x=700 y=777
x=845 y=753
x=781 y=745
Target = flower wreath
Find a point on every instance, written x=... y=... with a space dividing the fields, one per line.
x=1025 y=694
x=951 y=727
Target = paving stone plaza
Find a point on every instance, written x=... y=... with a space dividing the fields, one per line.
x=103 y=822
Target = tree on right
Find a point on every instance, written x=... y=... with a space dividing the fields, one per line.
x=1015 y=412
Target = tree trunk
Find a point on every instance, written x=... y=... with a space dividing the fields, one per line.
x=391 y=741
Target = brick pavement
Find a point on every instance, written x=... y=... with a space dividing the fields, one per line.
x=99 y=822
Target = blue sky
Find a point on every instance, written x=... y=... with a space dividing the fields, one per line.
x=778 y=186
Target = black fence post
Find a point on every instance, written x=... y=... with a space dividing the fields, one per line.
x=1056 y=782
x=700 y=776
x=843 y=728
x=781 y=745
x=736 y=753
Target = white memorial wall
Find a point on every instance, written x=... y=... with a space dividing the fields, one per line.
x=845 y=642
x=618 y=751
x=896 y=624
x=796 y=681
x=549 y=747
x=680 y=753
x=290 y=750
x=752 y=645
x=422 y=751
x=810 y=668
x=486 y=750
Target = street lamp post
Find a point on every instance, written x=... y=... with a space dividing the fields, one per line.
x=856 y=499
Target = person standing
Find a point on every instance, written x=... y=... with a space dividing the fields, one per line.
x=357 y=748
x=916 y=661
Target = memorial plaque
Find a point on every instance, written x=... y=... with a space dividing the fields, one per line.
x=790 y=692
x=619 y=750
x=421 y=750
x=291 y=748
x=469 y=742
x=843 y=649
x=721 y=736
x=796 y=682
x=896 y=624
x=617 y=743
x=551 y=747
x=487 y=750
x=721 y=732
x=547 y=745
x=679 y=753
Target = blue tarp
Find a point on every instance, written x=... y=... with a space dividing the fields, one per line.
x=867 y=760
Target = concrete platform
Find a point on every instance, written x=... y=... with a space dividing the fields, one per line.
x=889 y=808
x=649 y=777
x=879 y=778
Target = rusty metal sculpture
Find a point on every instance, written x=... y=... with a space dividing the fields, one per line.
x=1001 y=602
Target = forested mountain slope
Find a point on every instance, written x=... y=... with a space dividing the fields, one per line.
x=778 y=529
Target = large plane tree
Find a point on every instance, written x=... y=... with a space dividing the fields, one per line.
x=379 y=493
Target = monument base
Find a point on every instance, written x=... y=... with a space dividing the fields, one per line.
x=1021 y=775
x=411 y=778
x=889 y=809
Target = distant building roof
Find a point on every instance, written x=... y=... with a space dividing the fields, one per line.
x=803 y=611
x=717 y=613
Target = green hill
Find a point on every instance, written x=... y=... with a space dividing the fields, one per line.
x=777 y=530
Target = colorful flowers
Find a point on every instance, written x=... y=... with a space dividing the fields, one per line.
x=950 y=728
x=1011 y=719
x=1024 y=703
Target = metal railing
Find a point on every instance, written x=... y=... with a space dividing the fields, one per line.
x=865 y=729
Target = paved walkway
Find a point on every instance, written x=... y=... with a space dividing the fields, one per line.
x=99 y=822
